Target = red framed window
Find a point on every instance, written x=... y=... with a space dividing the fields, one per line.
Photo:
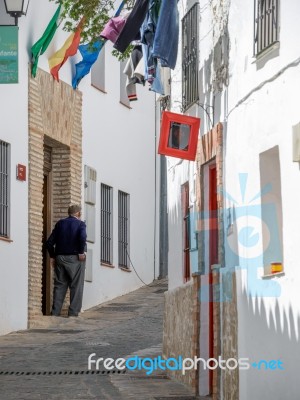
x=179 y=135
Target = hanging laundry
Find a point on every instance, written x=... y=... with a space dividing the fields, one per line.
x=132 y=26
x=129 y=70
x=166 y=38
x=162 y=81
x=139 y=71
x=113 y=28
x=147 y=38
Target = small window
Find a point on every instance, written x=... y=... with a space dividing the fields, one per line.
x=123 y=79
x=106 y=224
x=190 y=91
x=266 y=26
x=4 y=189
x=98 y=72
x=123 y=206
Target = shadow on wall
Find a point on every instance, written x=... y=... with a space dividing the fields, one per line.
x=213 y=78
x=267 y=332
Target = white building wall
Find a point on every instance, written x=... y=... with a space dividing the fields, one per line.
x=268 y=326
x=14 y=254
x=258 y=110
x=178 y=173
x=120 y=143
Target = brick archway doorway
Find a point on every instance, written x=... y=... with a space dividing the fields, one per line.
x=55 y=176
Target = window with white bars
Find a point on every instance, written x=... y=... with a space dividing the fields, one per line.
x=266 y=24
x=190 y=91
x=4 y=189
x=106 y=224
x=123 y=219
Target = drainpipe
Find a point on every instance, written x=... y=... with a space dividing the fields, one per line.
x=163 y=221
x=155 y=187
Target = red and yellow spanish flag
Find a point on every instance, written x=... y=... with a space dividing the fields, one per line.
x=68 y=49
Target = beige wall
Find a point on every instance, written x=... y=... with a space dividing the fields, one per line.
x=181 y=328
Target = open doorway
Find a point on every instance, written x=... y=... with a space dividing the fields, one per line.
x=47 y=218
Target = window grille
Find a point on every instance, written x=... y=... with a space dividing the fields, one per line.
x=123 y=206
x=190 y=91
x=106 y=224
x=266 y=26
x=4 y=189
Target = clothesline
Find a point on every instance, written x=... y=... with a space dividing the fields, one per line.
x=151 y=24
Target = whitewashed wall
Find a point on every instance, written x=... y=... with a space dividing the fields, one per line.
x=14 y=255
x=258 y=109
x=120 y=143
x=178 y=173
x=268 y=326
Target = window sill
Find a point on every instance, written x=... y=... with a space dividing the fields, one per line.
x=126 y=105
x=99 y=89
x=125 y=269
x=4 y=239
x=266 y=52
x=107 y=265
x=269 y=276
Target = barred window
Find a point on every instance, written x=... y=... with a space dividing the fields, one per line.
x=4 y=189
x=106 y=224
x=123 y=206
x=190 y=92
x=266 y=26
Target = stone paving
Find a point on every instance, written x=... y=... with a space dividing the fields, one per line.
x=50 y=361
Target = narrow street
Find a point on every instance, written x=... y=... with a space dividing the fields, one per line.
x=51 y=360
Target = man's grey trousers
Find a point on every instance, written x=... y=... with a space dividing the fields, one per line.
x=69 y=272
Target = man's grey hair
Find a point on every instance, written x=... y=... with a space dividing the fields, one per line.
x=74 y=209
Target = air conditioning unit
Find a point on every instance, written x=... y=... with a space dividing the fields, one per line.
x=90 y=179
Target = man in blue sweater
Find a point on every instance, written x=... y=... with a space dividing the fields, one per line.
x=66 y=246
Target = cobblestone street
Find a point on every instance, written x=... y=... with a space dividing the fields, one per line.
x=51 y=360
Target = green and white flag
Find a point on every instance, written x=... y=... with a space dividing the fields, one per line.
x=41 y=45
